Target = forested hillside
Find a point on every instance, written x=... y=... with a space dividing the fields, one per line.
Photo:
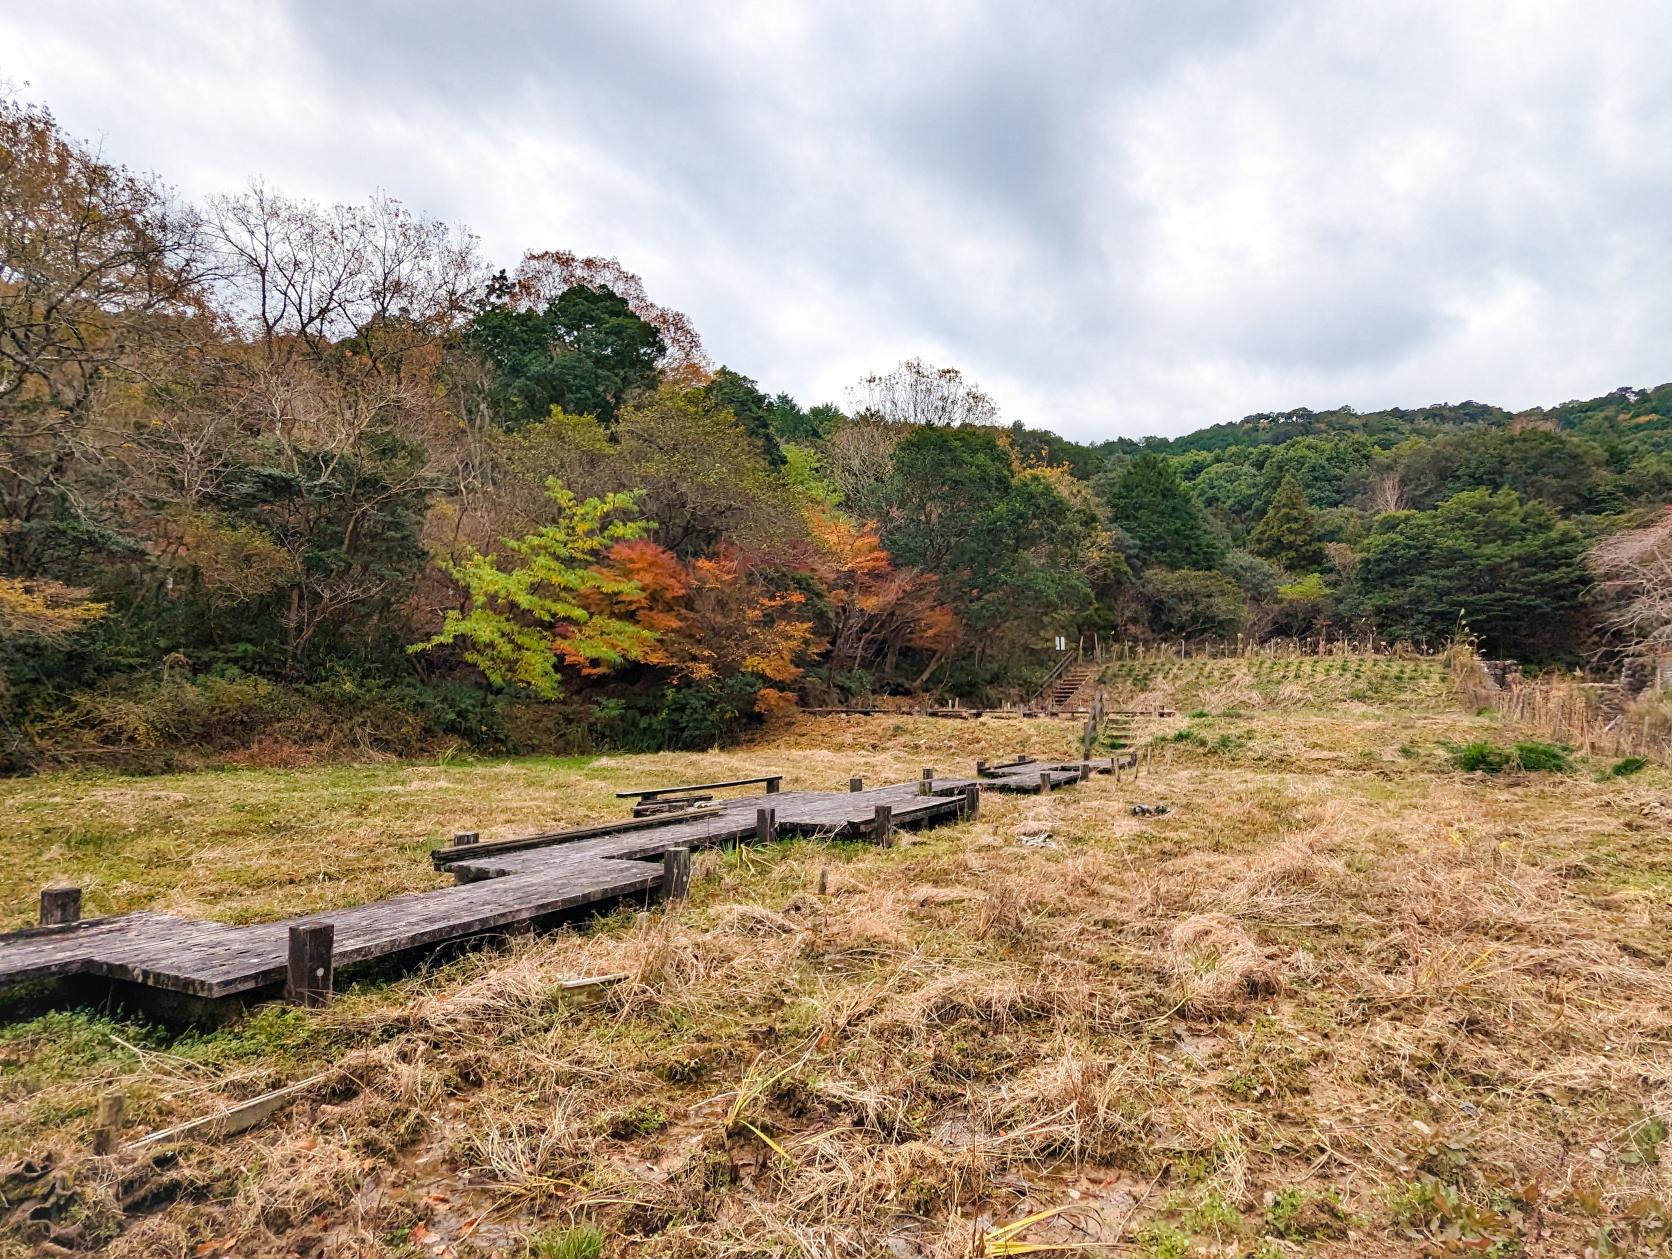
x=278 y=477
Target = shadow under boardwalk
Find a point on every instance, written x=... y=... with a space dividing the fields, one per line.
x=532 y=880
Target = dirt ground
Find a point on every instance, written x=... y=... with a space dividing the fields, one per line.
x=1343 y=998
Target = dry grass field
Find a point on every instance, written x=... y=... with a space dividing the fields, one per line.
x=1344 y=998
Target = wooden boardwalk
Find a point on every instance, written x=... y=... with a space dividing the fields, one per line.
x=497 y=887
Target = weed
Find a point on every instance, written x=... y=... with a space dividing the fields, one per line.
x=643 y=1120
x=1213 y=1214
x=1162 y=1241
x=583 y=1241
x=1627 y=766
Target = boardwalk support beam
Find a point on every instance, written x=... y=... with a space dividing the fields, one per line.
x=766 y=825
x=676 y=874
x=308 y=976
x=60 y=905
x=882 y=825
x=107 y=1136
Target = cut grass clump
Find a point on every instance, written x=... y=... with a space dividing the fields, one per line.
x=1542 y=758
x=1482 y=757
x=583 y=1241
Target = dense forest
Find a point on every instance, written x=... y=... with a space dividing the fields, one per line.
x=277 y=476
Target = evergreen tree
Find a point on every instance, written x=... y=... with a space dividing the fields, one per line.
x=1288 y=532
x=1153 y=508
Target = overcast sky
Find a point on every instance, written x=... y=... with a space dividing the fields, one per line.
x=1116 y=218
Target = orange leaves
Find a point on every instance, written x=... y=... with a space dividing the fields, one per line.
x=878 y=609
x=713 y=617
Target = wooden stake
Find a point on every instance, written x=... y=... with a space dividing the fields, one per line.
x=766 y=825
x=60 y=905
x=107 y=1137
x=856 y=784
x=308 y=980
x=972 y=801
x=824 y=880
x=926 y=784
x=882 y=825
x=676 y=874
x=981 y=769
x=1044 y=781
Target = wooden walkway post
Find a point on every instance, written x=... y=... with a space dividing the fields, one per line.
x=1044 y=781
x=981 y=769
x=882 y=825
x=856 y=784
x=766 y=825
x=308 y=980
x=972 y=802
x=60 y=905
x=465 y=838
x=676 y=874
x=926 y=784
x=107 y=1136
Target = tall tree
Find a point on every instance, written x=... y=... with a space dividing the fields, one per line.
x=751 y=408
x=585 y=352
x=1513 y=571
x=1288 y=532
x=1155 y=510
x=917 y=393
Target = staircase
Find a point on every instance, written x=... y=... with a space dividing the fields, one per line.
x=1064 y=685
x=1119 y=730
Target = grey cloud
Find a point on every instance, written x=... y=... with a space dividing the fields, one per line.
x=1137 y=218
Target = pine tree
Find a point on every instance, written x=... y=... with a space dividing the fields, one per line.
x=1153 y=508
x=1288 y=532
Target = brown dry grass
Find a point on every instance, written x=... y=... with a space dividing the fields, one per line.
x=1341 y=1000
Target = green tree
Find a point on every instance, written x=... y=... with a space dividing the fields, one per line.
x=1288 y=532
x=1009 y=548
x=752 y=409
x=585 y=352
x=1190 y=603
x=1153 y=508
x=527 y=607
x=1514 y=571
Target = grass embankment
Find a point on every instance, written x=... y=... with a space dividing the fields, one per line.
x=1343 y=999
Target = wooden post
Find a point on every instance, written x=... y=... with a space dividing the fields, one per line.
x=60 y=905
x=107 y=1137
x=774 y=786
x=676 y=874
x=824 y=880
x=981 y=769
x=972 y=801
x=1085 y=770
x=308 y=981
x=766 y=825
x=882 y=825
x=1044 y=781
x=465 y=838
x=926 y=784
x=856 y=784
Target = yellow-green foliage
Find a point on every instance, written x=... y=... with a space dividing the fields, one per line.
x=523 y=601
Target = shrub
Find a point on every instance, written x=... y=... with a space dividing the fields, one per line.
x=1481 y=757
x=1542 y=758
x=1625 y=768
